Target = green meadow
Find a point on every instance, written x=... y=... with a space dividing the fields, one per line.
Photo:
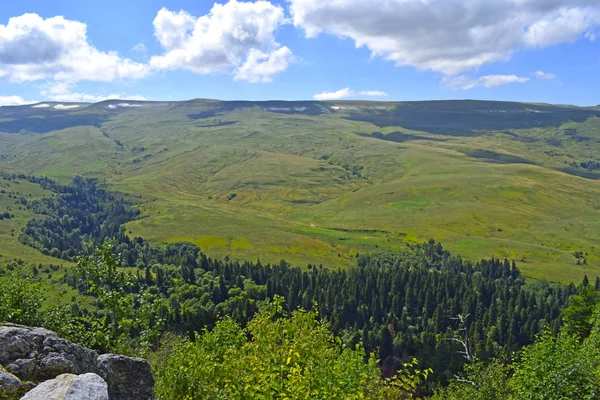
x=322 y=185
x=10 y=247
x=50 y=271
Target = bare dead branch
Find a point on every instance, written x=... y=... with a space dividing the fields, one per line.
x=459 y=379
x=467 y=350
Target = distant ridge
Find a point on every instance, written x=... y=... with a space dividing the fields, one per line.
x=309 y=101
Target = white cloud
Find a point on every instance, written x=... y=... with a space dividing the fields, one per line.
x=63 y=91
x=33 y=48
x=562 y=25
x=235 y=35
x=490 y=81
x=140 y=48
x=93 y=98
x=374 y=93
x=337 y=95
x=260 y=67
x=544 y=75
x=463 y=82
x=448 y=36
x=43 y=105
x=13 y=101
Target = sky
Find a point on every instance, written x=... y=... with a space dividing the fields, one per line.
x=386 y=50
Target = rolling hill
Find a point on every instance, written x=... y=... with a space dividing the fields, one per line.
x=321 y=182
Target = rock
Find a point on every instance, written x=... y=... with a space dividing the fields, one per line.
x=38 y=354
x=8 y=382
x=128 y=378
x=70 y=387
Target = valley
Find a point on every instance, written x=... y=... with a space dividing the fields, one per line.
x=323 y=182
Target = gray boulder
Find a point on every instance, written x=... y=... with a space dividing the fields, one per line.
x=128 y=378
x=8 y=382
x=70 y=387
x=38 y=354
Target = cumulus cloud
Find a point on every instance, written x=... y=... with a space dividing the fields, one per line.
x=591 y=35
x=544 y=75
x=140 y=48
x=93 y=98
x=235 y=36
x=374 y=93
x=448 y=36
x=463 y=82
x=64 y=91
x=33 y=48
x=337 y=95
x=260 y=67
x=13 y=101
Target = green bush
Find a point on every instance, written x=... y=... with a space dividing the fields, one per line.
x=481 y=382
x=275 y=357
x=556 y=368
x=20 y=299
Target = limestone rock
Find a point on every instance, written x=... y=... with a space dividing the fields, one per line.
x=128 y=378
x=38 y=354
x=8 y=382
x=70 y=387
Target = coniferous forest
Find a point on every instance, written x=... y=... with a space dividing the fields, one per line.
x=422 y=303
x=300 y=200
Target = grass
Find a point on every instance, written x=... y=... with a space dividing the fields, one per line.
x=14 y=252
x=10 y=247
x=322 y=189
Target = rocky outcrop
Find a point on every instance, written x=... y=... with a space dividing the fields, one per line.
x=37 y=355
x=120 y=372
x=70 y=387
x=9 y=383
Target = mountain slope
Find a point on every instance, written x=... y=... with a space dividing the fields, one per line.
x=319 y=182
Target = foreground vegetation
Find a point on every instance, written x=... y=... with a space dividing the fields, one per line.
x=278 y=354
x=559 y=367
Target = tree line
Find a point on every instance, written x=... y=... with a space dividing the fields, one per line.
x=404 y=305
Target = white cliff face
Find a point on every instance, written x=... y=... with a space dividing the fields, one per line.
x=70 y=387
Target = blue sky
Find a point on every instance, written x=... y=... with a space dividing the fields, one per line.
x=522 y=50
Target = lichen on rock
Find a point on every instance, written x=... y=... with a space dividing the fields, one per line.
x=40 y=355
x=70 y=387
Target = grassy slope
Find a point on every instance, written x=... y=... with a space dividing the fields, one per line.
x=10 y=247
x=12 y=250
x=298 y=199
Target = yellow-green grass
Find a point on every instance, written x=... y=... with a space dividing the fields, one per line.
x=240 y=234
x=10 y=247
x=298 y=199
x=50 y=279
x=527 y=213
x=533 y=215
